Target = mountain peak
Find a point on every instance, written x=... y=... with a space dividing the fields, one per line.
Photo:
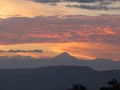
x=64 y=56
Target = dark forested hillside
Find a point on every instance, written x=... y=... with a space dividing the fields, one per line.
x=54 y=78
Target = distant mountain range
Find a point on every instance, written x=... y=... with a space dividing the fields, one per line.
x=62 y=59
x=55 y=78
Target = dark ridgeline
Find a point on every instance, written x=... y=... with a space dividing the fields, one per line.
x=55 y=78
x=62 y=59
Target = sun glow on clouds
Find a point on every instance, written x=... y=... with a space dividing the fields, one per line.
x=108 y=30
x=79 y=50
x=58 y=29
x=76 y=35
x=31 y=9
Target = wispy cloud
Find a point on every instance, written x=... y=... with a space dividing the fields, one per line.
x=23 y=51
x=49 y=1
x=46 y=1
x=82 y=1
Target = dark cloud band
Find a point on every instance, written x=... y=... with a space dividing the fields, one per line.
x=81 y=1
x=86 y=4
x=53 y=1
x=94 y=7
x=23 y=51
x=46 y=1
x=100 y=5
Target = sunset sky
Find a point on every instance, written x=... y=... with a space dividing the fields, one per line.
x=86 y=29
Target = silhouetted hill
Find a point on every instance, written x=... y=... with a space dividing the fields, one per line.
x=54 y=78
x=64 y=56
x=62 y=59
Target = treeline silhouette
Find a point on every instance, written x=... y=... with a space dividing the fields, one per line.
x=112 y=85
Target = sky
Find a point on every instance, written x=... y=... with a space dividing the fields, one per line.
x=86 y=29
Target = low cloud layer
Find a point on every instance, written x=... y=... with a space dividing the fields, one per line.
x=22 y=51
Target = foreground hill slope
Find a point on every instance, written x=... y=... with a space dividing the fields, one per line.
x=54 y=78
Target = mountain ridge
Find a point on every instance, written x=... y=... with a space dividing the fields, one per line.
x=64 y=55
x=61 y=59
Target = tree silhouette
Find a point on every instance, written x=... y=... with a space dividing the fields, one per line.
x=78 y=87
x=112 y=85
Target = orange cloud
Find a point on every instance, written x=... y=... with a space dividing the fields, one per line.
x=88 y=50
x=108 y=30
x=54 y=29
